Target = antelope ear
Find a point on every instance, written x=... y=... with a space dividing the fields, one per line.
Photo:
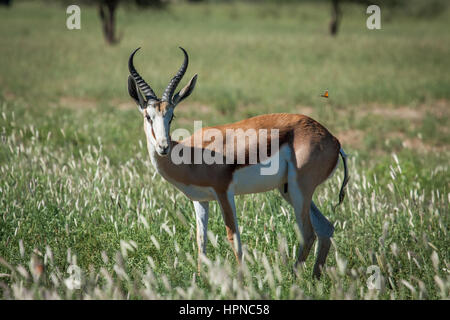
x=136 y=94
x=185 y=92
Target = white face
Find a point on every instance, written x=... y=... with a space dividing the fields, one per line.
x=157 y=119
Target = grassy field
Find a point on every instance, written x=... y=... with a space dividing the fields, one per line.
x=77 y=186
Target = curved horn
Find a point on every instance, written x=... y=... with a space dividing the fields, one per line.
x=145 y=88
x=168 y=93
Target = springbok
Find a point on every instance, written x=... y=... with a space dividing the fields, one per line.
x=307 y=155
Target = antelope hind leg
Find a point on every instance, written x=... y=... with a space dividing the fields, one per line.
x=324 y=230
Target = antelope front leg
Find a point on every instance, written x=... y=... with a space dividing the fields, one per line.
x=226 y=201
x=201 y=216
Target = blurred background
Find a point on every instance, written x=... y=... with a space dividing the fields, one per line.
x=73 y=160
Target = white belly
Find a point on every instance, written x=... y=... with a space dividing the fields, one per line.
x=196 y=193
x=262 y=177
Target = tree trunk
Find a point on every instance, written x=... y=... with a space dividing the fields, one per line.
x=5 y=2
x=335 y=17
x=107 y=11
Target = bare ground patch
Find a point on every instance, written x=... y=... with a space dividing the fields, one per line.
x=9 y=96
x=439 y=108
x=78 y=103
x=403 y=112
x=355 y=139
x=306 y=110
x=351 y=137
x=417 y=144
x=124 y=105
x=197 y=107
x=414 y=114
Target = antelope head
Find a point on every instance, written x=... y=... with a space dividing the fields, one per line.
x=158 y=113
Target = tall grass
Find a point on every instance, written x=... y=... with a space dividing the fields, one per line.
x=132 y=234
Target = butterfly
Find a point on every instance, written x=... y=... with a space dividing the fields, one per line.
x=325 y=95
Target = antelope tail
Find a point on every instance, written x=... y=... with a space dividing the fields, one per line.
x=346 y=178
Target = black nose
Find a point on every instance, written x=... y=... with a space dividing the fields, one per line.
x=165 y=150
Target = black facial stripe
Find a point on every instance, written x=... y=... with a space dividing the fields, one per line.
x=171 y=118
x=149 y=119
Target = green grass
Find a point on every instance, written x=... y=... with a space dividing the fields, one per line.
x=77 y=185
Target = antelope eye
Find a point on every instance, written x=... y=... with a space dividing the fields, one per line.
x=148 y=118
